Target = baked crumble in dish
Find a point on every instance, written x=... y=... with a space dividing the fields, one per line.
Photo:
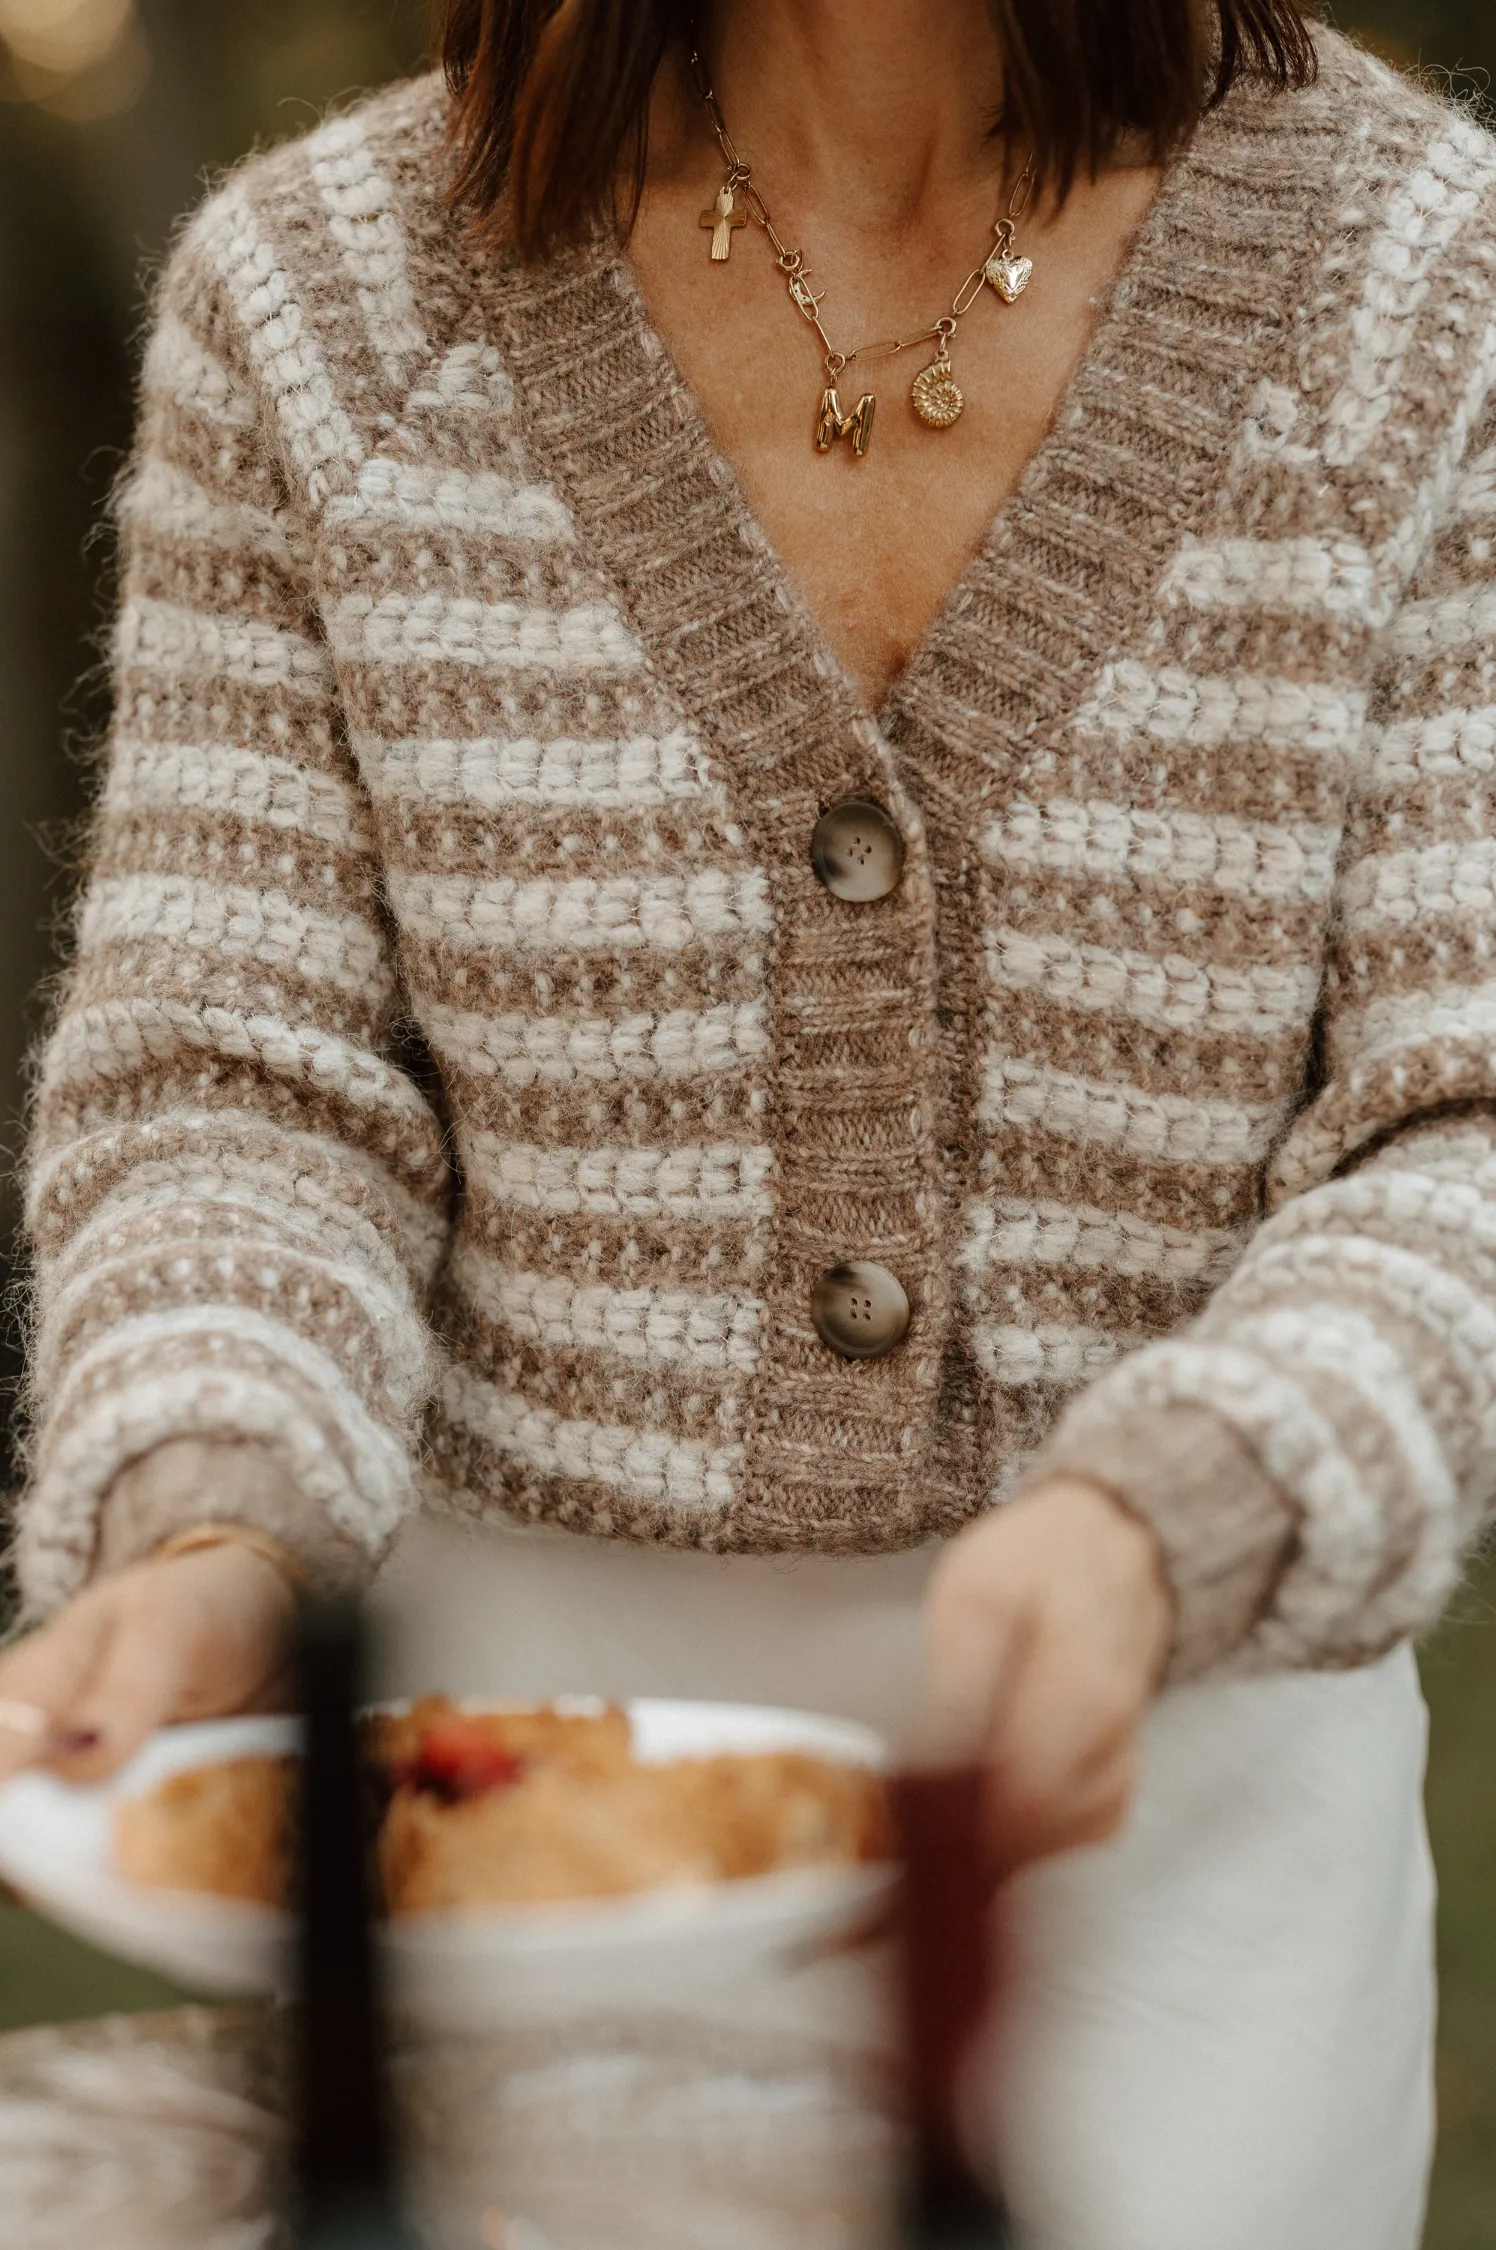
x=473 y=1808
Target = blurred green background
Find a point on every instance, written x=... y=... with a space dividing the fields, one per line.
x=111 y=113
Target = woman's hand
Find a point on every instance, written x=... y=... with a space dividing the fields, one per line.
x=197 y=1637
x=1049 y=1624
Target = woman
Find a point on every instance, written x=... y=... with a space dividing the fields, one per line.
x=707 y=935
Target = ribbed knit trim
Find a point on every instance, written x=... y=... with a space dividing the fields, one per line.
x=191 y=1481
x=1224 y=1529
x=200 y=1387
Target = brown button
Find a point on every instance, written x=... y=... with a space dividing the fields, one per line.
x=860 y=1310
x=857 y=851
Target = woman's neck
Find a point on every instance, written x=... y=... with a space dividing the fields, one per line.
x=887 y=104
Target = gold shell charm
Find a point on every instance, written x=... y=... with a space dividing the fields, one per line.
x=1009 y=276
x=936 y=394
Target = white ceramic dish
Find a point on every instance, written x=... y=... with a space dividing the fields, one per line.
x=458 y=1969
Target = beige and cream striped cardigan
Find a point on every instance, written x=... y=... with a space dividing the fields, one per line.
x=464 y=1079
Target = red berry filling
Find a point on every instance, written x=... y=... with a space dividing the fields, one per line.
x=459 y=1758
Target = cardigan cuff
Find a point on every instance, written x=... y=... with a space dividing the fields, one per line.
x=332 y=1486
x=1225 y=1530
x=189 y=1481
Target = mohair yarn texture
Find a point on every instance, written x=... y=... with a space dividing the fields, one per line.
x=464 y=1079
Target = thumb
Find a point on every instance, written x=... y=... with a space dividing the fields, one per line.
x=136 y=1687
x=41 y=1681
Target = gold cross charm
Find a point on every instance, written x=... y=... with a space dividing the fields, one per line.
x=723 y=219
x=832 y=424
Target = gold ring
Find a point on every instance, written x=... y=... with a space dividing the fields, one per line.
x=26 y=1718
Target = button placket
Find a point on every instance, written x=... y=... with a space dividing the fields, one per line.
x=827 y=1458
x=860 y=1310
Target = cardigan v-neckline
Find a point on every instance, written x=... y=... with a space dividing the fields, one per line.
x=875 y=710
x=610 y=370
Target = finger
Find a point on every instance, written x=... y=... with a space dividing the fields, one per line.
x=1084 y=1831
x=230 y=1617
x=1062 y=1735
x=1092 y=1812
x=975 y=1649
x=239 y=1654
x=136 y=1687
x=1066 y=1711
x=47 y=1674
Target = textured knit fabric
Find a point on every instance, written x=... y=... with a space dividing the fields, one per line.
x=464 y=1078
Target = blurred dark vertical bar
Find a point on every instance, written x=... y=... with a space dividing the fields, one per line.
x=345 y=2193
x=946 y=1930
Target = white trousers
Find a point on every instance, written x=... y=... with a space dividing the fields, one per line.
x=1216 y=2033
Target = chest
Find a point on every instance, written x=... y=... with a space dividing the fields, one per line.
x=876 y=540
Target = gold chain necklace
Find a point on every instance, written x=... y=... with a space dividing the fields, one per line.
x=935 y=396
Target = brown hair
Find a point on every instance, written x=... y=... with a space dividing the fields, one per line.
x=553 y=95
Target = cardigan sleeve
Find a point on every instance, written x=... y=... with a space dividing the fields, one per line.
x=1318 y=1450
x=236 y=1193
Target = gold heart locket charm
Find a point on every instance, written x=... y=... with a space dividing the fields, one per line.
x=1008 y=275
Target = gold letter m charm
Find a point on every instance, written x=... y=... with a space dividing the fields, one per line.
x=832 y=424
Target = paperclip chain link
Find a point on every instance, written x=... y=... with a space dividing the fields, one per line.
x=803 y=294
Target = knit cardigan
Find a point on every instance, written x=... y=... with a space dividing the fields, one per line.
x=463 y=1079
